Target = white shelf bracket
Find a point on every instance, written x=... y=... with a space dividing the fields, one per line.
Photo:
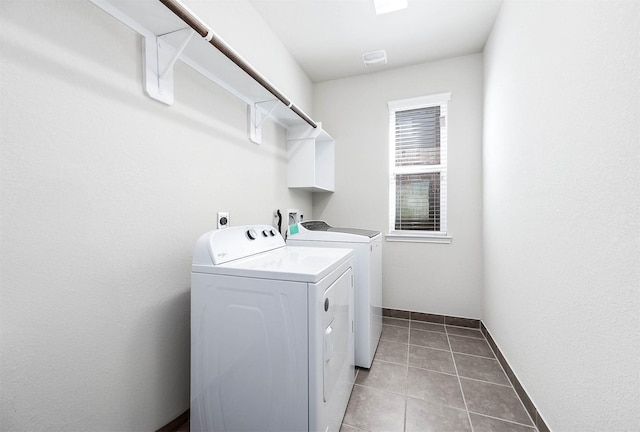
x=255 y=118
x=159 y=59
x=215 y=60
x=172 y=61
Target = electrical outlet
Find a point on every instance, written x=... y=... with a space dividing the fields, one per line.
x=293 y=216
x=223 y=220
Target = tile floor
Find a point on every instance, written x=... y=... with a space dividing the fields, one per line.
x=434 y=377
x=428 y=377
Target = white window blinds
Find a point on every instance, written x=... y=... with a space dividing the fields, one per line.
x=418 y=156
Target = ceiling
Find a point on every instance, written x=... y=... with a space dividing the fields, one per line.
x=328 y=37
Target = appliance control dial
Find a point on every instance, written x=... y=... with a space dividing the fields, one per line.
x=252 y=234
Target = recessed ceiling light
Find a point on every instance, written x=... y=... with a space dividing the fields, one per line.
x=373 y=58
x=386 y=6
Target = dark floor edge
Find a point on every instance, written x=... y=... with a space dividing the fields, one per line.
x=432 y=318
x=524 y=397
x=174 y=424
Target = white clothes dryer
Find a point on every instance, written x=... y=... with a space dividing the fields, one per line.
x=272 y=342
x=367 y=246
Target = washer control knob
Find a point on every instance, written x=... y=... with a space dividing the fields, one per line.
x=326 y=304
x=252 y=234
x=265 y=233
x=273 y=232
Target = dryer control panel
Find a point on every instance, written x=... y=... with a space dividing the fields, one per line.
x=237 y=242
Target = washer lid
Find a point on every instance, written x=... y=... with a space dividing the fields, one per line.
x=320 y=230
x=289 y=263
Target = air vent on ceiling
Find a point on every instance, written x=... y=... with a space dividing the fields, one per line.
x=374 y=58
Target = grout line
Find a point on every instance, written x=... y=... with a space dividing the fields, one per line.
x=464 y=399
x=396 y=326
x=432 y=348
x=468 y=337
x=406 y=388
x=430 y=331
x=380 y=390
x=396 y=319
x=488 y=382
x=432 y=370
x=427 y=322
x=476 y=355
x=504 y=420
x=385 y=361
x=463 y=327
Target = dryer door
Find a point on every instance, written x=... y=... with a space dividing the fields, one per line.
x=337 y=324
x=331 y=355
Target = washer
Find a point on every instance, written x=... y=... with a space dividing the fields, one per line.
x=368 y=277
x=272 y=342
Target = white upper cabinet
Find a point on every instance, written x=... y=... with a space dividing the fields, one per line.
x=311 y=159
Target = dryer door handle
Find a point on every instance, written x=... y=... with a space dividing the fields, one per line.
x=328 y=344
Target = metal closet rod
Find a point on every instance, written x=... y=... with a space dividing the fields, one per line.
x=203 y=31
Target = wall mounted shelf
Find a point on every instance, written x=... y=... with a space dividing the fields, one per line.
x=172 y=32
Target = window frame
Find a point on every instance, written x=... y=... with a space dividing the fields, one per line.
x=422 y=236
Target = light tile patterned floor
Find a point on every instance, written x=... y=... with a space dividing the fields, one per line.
x=430 y=377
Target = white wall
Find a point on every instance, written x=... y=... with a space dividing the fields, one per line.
x=104 y=192
x=562 y=207
x=432 y=278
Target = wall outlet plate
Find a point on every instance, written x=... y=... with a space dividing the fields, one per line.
x=293 y=216
x=223 y=220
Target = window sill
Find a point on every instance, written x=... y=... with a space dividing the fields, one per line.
x=418 y=238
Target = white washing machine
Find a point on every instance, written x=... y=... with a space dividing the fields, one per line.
x=272 y=343
x=368 y=277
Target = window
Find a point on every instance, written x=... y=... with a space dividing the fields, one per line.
x=418 y=169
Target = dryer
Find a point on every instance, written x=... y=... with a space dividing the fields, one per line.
x=272 y=342
x=367 y=246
